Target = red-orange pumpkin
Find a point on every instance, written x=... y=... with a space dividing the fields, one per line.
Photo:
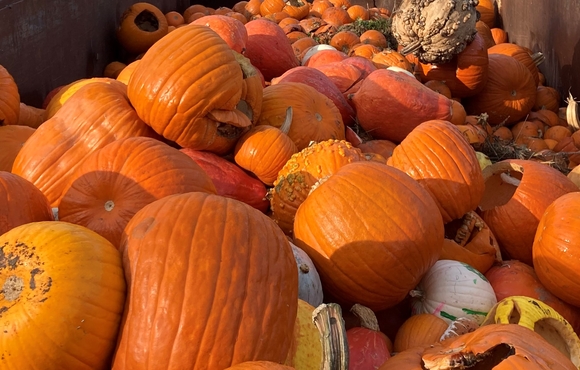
x=115 y=182
x=206 y=269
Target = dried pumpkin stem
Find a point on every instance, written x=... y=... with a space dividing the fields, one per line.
x=538 y=58
x=367 y=317
x=572 y=113
x=285 y=128
x=328 y=319
x=465 y=230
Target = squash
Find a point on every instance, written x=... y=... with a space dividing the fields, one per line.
x=371 y=258
x=453 y=289
x=9 y=99
x=309 y=285
x=247 y=274
x=306 y=350
x=114 y=182
x=56 y=268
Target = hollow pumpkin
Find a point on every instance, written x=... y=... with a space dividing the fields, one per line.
x=247 y=274
x=141 y=25
x=391 y=253
x=555 y=248
x=516 y=196
x=96 y=115
x=21 y=203
x=49 y=263
x=231 y=30
x=302 y=171
x=12 y=138
x=176 y=101
x=508 y=95
x=114 y=182
x=439 y=158
x=314 y=117
x=9 y=99
x=466 y=74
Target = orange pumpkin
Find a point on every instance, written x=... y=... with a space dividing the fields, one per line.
x=30 y=116
x=547 y=98
x=370 y=258
x=21 y=203
x=12 y=138
x=383 y=147
x=499 y=35
x=174 y=18
x=177 y=103
x=390 y=58
x=113 y=69
x=336 y=16
x=141 y=25
x=246 y=273
x=126 y=73
x=231 y=30
x=344 y=41
x=357 y=11
x=9 y=99
x=374 y=37
x=485 y=32
x=113 y=183
x=259 y=365
x=486 y=9
x=522 y=55
x=419 y=330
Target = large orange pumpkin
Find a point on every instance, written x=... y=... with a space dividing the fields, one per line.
x=12 y=138
x=9 y=99
x=113 y=183
x=372 y=232
x=436 y=155
x=63 y=288
x=508 y=95
x=522 y=55
x=20 y=203
x=96 y=115
x=220 y=289
x=231 y=30
x=203 y=99
x=556 y=249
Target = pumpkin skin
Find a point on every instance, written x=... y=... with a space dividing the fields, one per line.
x=302 y=171
x=126 y=73
x=515 y=278
x=113 y=183
x=555 y=249
x=516 y=347
x=521 y=54
x=30 y=116
x=21 y=202
x=57 y=262
x=306 y=350
x=259 y=365
x=391 y=254
x=264 y=150
x=65 y=92
x=268 y=48
x=382 y=147
x=9 y=99
x=368 y=347
x=175 y=99
x=12 y=138
x=508 y=95
x=247 y=273
x=436 y=155
x=309 y=285
x=96 y=115
x=323 y=84
x=513 y=204
x=466 y=74
x=230 y=180
x=231 y=30
x=133 y=34
x=314 y=116
x=419 y=330
x=391 y=104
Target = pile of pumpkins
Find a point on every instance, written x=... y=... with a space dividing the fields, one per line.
x=237 y=195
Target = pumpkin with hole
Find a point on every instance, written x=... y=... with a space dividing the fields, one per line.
x=176 y=102
x=555 y=248
x=20 y=203
x=9 y=99
x=230 y=180
x=55 y=262
x=508 y=95
x=391 y=104
x=515 y=278
x=96 y=115
x=516 y=196
x=12 y=138
x=115 y=182
x=141 y=25
x=231 y=30
x=440 y=159
x=248 y=274
x=333 y=230
x=268 y=48
x=304 y=170
x=314 y=117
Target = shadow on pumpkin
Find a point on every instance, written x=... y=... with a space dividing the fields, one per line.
x=103 y=201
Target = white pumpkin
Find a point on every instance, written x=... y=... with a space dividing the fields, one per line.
x=309 y=285
x=453 y=289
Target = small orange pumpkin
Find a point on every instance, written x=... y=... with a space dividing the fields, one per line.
x=141 y=25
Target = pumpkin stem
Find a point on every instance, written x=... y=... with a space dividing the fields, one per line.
x=285 y=128
x=460 y=326
x=464 y=232
x=538 y=58
x=416 y=293
x=572 y=113
x=367 y=317
x=328 y=319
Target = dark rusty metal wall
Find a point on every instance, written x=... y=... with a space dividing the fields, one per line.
x=48 y=43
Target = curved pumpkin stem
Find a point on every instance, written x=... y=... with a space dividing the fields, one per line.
x=367 y=317
x=285 y=128
x=328 y=319
x=538 y=58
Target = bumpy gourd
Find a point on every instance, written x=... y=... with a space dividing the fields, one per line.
x=435 y=30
